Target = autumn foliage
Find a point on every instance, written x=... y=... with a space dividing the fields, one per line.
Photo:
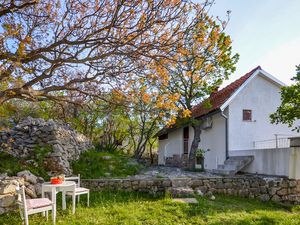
x=49 y=49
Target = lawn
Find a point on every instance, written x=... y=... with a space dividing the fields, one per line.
x=93 y=164
x=135 y=208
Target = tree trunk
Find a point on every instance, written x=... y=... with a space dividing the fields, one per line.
x=194 y=146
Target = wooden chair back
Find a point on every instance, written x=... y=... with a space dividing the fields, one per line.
x=75 y=179
x=21 y=200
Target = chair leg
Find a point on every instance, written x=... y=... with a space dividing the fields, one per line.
x=47 y=215
x=26 y=219
x=73 y=203
x=88 y=199
x=21 y=214
x=78 y=198
x=53 y=213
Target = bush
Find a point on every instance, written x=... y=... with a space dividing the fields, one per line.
x=107 y=147
x=34 y=163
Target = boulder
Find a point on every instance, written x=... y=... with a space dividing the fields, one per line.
x=7 y=200
x=199 y=192
x=8 y=185
x=28 y=176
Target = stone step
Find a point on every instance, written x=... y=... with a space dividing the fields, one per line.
x=224 y=172
x=227 y=167
x=233 y=165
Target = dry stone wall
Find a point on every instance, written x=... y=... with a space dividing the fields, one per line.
x=66 y=143
x=274 y=189
x=8 y=196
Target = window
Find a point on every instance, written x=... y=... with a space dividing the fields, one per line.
x=163 y=136
x=247 y=115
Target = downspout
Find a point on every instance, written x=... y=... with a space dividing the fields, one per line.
x=226 y=134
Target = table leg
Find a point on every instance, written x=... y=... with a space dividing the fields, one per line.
x=53 y=193
x=64 y=206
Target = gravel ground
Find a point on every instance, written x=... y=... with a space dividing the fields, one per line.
x=170 y=172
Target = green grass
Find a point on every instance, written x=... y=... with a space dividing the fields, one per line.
x=135 y=208
x=92 y=164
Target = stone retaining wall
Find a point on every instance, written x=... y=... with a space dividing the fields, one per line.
x=275 y=189
x=66 y=143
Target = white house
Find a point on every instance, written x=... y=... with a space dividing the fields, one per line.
x=237 y=125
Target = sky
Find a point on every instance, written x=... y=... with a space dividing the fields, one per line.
x=265 y=33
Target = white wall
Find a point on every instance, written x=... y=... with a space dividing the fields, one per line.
x=171 y=146
x=267 y=161
x=214 y=140
x=263 y=97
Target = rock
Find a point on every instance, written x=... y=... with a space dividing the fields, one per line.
x=276 y=198
x=282 y=192
x=199 y=192
x=212 y=198
x=264 y=197
x=7 y=188
x=106 y=157
x=38 y=189
x=7 y=200
x=209 y=194
x=180 y=182
x=30 y=191
x=181 y=192
x=28 y=176
x=186 y=200
x=3 y=175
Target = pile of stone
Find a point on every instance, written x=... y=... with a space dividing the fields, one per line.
x=66 y=143
x=8 y=196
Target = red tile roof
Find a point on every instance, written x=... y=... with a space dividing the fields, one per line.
x=217 y=99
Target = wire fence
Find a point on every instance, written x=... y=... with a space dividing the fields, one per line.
x=277 y=142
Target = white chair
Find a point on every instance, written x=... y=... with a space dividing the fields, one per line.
x=78 y=191
x=33 y=206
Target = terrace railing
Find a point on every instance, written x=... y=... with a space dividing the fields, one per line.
x=280 y=141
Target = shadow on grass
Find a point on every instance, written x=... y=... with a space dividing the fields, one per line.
x=144 y=208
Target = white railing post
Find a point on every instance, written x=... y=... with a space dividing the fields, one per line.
x=276 y=140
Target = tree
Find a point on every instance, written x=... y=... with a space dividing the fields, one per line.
x=204 y=60
x=147 y=105
x=289 y=110
x=81 y=46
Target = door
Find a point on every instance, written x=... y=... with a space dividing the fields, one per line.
x=186 y=140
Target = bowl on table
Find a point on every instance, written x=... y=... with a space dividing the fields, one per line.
x=55 y=180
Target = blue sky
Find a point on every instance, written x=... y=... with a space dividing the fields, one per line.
x=265 y=33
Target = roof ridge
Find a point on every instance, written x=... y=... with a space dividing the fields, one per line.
x=218 y=98
x=241 y=78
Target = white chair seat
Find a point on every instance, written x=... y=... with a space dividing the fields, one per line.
x=78 y=190
x=37 y=203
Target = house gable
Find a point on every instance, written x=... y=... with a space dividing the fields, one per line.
x=259 y=72
x=260 y=97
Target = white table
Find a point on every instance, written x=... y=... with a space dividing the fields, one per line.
x=65 y=186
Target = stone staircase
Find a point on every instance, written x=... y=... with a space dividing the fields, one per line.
x=233 y=165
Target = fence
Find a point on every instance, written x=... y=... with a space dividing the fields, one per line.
x=277 y=142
